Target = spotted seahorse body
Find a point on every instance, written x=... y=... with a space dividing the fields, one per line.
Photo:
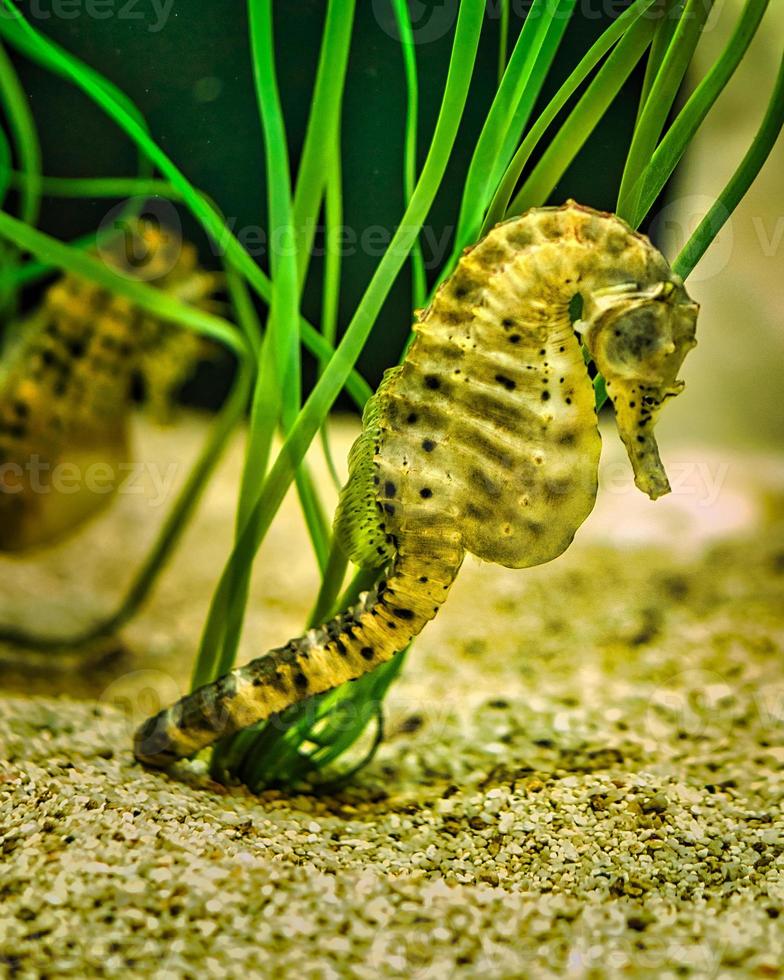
x=484 y=440
x=65 y=386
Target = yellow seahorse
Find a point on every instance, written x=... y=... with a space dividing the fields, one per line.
x=65 y=385
x=483 y=440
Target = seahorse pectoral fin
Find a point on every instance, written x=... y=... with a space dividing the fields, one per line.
x=638 y=341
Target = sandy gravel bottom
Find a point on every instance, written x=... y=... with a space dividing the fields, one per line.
x=582 y=777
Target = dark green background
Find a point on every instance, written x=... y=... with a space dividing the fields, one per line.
x=218 y=143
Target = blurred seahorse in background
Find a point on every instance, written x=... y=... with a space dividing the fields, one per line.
x=66 y=385
x=484 y=439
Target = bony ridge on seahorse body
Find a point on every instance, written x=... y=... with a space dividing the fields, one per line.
x=65 y=385
x=484 y=440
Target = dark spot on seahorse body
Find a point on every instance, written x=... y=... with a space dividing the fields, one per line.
x=278 y=681
x=616 y=242
x=507 y=323
x=341 y=646
x=567 y=439
x=22 y=409
x=425 y=492
x=376 y=480
x=380 y=550
x=300 y=679
x=411 y=418
x=366 y=653
x=257 y=682
x=390 y=489
x=389 y=509
x=535 y=527
x=423 y=579
x=392 y=410
x=464 y=284
x=542 y=352
x=521 y=236
x=640 y=438
x=485 y=484
x=545 y=395
x=557 y=486
x=491 y=450
x=508 y=383
x=568 y=401
x=514 y=338
x=551 y=226
x=432 y=382
x=428 y=445
x=492 y=253
x=403 y=613
x=455 y=315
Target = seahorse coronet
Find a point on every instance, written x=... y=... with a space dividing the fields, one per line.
x=483 y=440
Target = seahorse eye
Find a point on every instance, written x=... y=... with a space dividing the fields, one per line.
x=639 y=340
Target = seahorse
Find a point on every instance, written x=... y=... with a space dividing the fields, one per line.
x=484 y=440
x=66 y=385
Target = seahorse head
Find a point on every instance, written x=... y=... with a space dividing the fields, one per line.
x=638 y=339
